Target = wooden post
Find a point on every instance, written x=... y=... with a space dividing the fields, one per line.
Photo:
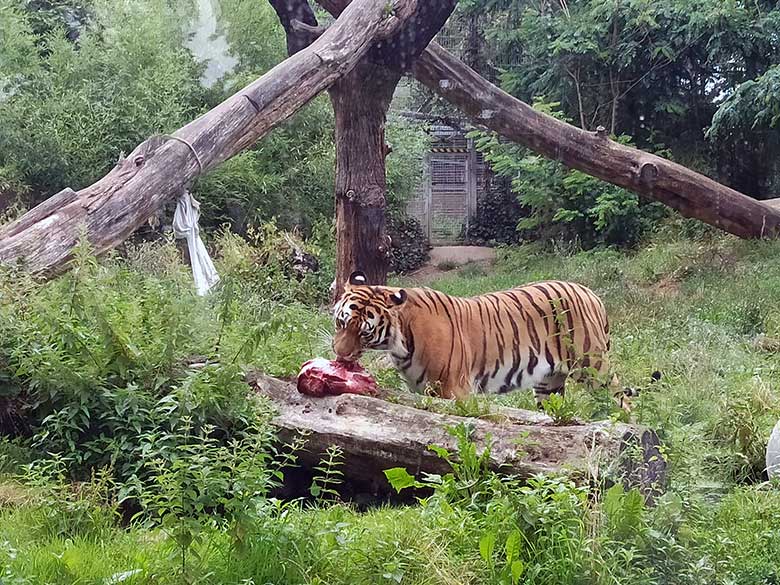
x=360 y=103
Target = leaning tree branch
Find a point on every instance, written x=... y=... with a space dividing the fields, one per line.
x=692 y=194
x=161 y=167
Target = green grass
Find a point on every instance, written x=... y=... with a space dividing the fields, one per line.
x=689 y=308
x=692 y=310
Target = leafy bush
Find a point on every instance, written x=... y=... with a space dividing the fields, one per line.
x=288 y=176
x=276 y=265
x=498 y=213
x=69 y=112
x=70 y=509
x=409 y=244
x=197 y=481
x=99 y=359
x=742 y=431
x=546 y=529
x=563 y=203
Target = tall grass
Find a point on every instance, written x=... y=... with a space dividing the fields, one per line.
x=115 y=337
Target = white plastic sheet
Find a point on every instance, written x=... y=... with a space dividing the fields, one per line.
x=773 y=453
x=185 y=225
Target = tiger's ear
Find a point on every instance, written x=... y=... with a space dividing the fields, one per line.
x=358 y=278
x=398 y=297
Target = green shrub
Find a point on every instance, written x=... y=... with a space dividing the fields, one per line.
x=71 y=111
x=275 y=265
x=99 y=358
x=498 y=213
x=566 y=204
x=409 y=244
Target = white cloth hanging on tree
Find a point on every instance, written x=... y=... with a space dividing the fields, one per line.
x=185 y=225
x=773 y=453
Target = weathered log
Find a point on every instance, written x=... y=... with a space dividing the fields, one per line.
x=360 y=101
x=594 y=153
x=161 y=167
x=692 y=194
x=377 y=434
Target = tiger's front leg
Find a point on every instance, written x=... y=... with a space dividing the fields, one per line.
x=552 y=384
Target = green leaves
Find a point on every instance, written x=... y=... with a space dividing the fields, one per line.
x=400 y=479
x=559 y=202
x=513 y=567
x=487 y=545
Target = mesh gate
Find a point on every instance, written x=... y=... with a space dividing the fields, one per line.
x=449 y=196
x=453 y=181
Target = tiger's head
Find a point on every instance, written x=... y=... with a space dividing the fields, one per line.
x=366 y=317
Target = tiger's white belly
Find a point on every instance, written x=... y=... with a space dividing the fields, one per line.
x=414 y=378
x=497 y=384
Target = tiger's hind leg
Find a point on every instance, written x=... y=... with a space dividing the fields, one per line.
x=549 y=385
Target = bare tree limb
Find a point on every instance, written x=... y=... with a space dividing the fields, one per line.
x=161 y=167
x=376 y=434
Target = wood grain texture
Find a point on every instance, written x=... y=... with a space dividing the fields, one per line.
x=376 y=434
x=162 y=167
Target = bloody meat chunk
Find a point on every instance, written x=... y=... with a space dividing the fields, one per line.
x=321 y=377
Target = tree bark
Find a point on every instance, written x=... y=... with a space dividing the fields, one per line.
x=692 y=194
x=360 y=102
x=376 y=434
x=161 y=167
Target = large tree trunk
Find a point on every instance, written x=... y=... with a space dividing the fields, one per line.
x=162 y=167
x=360 y=102
x=376 y=434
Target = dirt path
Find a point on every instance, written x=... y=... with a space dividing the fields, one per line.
x=446 y=258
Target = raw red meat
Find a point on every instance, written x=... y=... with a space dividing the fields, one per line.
x=321 y=377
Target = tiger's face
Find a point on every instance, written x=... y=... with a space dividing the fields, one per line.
x=366 y=317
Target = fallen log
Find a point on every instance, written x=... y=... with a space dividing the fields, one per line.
x=110 y=210
x=377 y=434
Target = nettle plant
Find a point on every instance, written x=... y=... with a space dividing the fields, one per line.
x=99 y=361
x=547 y=528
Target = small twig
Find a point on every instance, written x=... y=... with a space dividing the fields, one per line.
x=299 y=26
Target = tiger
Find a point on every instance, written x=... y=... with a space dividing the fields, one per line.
x=533 y=336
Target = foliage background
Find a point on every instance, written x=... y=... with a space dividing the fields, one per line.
x=132 y=450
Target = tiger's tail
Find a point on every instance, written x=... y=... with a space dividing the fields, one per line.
x=623 y=394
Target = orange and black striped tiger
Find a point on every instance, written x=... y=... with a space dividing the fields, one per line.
x=532 y=336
